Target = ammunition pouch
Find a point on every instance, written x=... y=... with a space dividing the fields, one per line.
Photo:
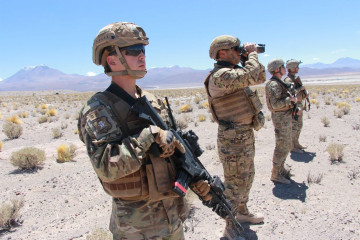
x=258 y=121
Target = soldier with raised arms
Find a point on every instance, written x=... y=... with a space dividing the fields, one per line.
x=120 y=143
x=237 y=110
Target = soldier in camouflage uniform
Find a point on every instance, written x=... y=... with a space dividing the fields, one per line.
x=120 y=144
x=280 y=102
x=302 y=94
x=236 y=108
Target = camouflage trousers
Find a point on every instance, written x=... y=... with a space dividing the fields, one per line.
x=236 y=148
x=296 y=129
x=283 y=136
x=146 y=219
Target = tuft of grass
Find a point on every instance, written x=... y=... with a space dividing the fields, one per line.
x=325 y=121
x=357 y=99
x=28 y=158
x=356 y=127
x=10 y=214
x=268 y=117
x=76 y=131
x=15 y=119
x=43 y=106
x=206 y=104
x=57 y=133
x=12 y=130
x=336 y=152
x=100 y=234
x=66 y=153
x=186 y=108
x=339 y=113
x=202 y=117
x=311 y=178
x=42 y=119
x=314 y=101
x=51 y=112
x=24 y=114
x=1 y=146
x=322 y=138
x=354 y=174
x=182 y=123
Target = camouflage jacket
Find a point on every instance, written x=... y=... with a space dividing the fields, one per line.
x=300 y=92
x=227 y=80
x=277 y=96
x=112 y=156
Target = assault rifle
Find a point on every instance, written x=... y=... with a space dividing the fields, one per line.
x=188 y=166
x=307 y=101
x=292 y=92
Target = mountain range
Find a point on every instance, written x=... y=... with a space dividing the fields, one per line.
x=45 y=78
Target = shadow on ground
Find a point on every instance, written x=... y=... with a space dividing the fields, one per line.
x=302 y=157
x=293 y=190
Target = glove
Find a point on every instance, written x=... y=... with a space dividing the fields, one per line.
x=167 y=141
x=202 y=189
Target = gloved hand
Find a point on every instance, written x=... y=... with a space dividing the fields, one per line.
x=167 y=141
x=202 y=189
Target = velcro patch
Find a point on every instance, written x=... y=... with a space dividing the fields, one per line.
x=102 y=125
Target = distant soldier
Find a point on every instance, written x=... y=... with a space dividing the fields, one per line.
x=280 y=102
x=119 y=141
x=236 y=108
x=302 y=95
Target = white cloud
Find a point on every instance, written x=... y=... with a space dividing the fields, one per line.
x=339 y=51
x=1 y=79
x=316 y=59
x=266 y=55
x=91 y=74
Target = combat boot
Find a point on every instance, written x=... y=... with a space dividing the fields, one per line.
x=244 y=216
x=230 y=232
x=297 y=150
x=299 y=146
x=277 y=177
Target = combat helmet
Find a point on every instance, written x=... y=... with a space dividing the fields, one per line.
x=292 y=63
x=118 y=35
x=222 y=42
x=275 y=64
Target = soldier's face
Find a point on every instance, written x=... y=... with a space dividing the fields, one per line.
x=135 y=62
x=294 y=70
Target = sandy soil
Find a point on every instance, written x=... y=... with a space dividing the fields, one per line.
x=66 y=201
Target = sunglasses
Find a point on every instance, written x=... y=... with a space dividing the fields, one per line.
x=239 y=49
x=134 y=50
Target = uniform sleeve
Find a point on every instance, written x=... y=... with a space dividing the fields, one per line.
x=252 y=74
x=111 y=155
x=275 y=98
x=300 y=93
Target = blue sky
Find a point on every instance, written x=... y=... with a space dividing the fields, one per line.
x=60 y=34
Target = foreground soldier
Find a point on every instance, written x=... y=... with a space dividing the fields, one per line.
x=237 y=111
x=301 y=94
x=280 y=103
x=120 y=143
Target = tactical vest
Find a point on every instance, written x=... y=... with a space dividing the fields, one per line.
x=238 y=107
x=154 y=179
x=284 y=93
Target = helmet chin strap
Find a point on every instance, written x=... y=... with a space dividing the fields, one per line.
x=137 y=74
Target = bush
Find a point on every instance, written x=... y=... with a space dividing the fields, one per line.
x=202 y=117
x=66 y=153
x=314 y=179
x=15 y=119
x=12 y=130
x=336 y=152
x=42 y=119
x=339 y=113
x=100 y=233
x=186 y=108
x=1 y=145
x=322 y=138
x=57 y=133
x=51 y=112
x=28 y=158
x=9 y=214
x=325 y=121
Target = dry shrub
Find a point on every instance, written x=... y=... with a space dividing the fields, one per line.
x=15 y=119
x=311 y=178
x=64 y=125
x=24 y=114
x=12 y=130
x=1 y=146
x=1 y=116
x=42 y=119
x=182 y=123
x=99 y=234
x=328 y=101
x=10 y=214
x=43 y=106
x=51 y=112
x=202 y=117
x=76 y=131
x=314 y=101
x=339 y=113
x=356 y=127
x=28 y=158
x=336 y=152
x=206 y=104
x=57 y=133
x=322 y=138
x=197 y=99
x=354 y=174
x=268 y=117
x=357 y=99
x=314 y=95
x=66 y=153
x=344 y=106
x=186 y=108
x=325 y=121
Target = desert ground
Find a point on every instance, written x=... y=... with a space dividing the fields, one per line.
x=66 y=200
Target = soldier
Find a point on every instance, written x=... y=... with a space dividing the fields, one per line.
x=301 y=94
x=280 y=102
x=236 y=108
x=120 y=143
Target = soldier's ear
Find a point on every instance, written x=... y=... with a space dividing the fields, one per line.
x=111 y=60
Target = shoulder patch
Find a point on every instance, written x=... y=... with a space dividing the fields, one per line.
x=102 y=125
